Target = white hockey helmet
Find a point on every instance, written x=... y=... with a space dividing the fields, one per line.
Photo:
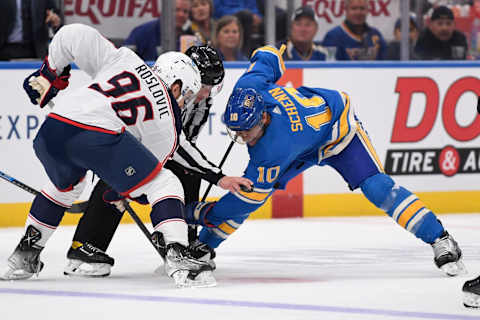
x=172 y=66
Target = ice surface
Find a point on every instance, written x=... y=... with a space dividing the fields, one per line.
x=324 y=268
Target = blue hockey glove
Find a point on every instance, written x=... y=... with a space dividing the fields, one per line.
x=196 y=213
x=44 y=84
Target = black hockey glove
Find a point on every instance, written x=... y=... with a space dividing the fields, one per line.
x=44 y=84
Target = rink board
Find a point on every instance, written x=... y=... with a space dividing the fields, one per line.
x=421 y=118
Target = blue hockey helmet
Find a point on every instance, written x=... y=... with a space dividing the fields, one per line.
x=244 y=109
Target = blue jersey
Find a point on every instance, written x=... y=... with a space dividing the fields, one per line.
x=307 y=126
x=317 y=53
x=145 y=40
x=349 y=46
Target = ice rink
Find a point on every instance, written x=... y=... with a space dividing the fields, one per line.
x=325 y=268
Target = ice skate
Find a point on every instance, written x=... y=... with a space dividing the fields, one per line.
x=25 y=260
x=185 y=270
x=86 y=260
x=448 y=256
x=471 y=293
x=202 y=252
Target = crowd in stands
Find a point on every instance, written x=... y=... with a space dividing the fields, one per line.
x=236 y=28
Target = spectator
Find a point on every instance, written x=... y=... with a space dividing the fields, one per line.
x=300 y=45
x=229 y=7
x=250 y=18
x=393 y=51
x=202 y=23
x=440 y=40
x=355 y=39
x=228 y=39
x=24 y=28
x=145 y=39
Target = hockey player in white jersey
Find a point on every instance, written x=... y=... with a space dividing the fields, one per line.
x=123 y=126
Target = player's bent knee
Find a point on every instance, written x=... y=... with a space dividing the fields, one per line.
x=63 y=198
x=164 y=185
x=378 y=189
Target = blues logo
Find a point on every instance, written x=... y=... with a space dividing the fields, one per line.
x=249 y=101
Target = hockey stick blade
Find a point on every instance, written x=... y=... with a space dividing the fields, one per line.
x=75 y=208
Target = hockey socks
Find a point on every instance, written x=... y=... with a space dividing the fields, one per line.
x=45 y=216
x=167 y=218
x=403 y=206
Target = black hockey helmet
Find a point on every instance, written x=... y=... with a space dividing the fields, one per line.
x=208 y=62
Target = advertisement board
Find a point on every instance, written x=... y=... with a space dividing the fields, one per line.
x=117 y=18
x=113 y=18
x=421 y=118
x=382 y=15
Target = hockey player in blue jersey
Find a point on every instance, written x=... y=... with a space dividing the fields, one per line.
x=288 y=130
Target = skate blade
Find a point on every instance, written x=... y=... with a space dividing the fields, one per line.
x=15 y=274
x=471 y=300
x=453 y=269
x=204 y=279
x=77 y=268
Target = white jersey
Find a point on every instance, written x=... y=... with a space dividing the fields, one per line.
x=124 y=93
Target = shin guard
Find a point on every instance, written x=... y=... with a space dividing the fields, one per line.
x=168 y=218
x=45 y=216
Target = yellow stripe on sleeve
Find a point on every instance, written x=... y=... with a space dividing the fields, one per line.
x=256 y=196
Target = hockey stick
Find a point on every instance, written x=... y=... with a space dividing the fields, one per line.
x=142 y=227
x=75 y=208
x=230 y=146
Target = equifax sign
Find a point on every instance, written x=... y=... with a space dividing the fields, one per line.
x=448 y=160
